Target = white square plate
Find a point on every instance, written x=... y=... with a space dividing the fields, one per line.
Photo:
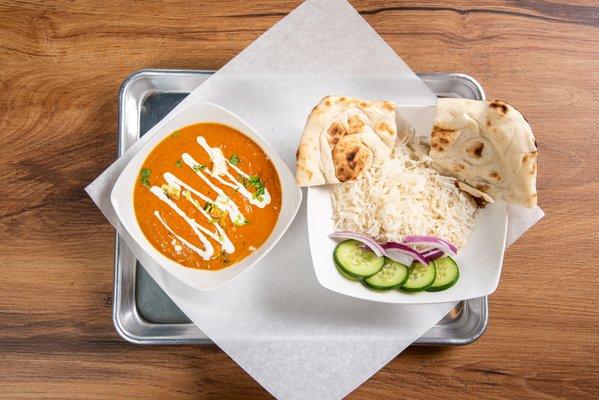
x=480 y=260
x=122 y=198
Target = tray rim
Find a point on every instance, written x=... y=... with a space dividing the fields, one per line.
x=131 y=337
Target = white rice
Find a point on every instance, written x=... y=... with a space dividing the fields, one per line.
x=404 y=196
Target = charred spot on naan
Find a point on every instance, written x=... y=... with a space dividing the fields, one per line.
x=335 y=133
x=533 y=169
x=355 y=124
x=350 y=158
x=383 y=128
x=475 y=150
x=499 y=106
x=483 y=187
x=531 y=158
x=343 y=100
x=458 y=167
x=495 y=175
x=389 y=106
x=442 y=138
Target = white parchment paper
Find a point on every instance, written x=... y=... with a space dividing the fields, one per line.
x=294 y=337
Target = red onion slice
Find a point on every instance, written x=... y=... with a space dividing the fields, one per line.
x=368 y=241
x=402 y=248
x=402 y=252
x=432 y=254
x=431 y=241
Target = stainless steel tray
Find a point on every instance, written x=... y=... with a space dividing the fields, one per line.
x=142 y=312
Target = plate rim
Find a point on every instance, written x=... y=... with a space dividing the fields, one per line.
x=384 y=299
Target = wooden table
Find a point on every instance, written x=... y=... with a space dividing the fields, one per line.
x=61 y=64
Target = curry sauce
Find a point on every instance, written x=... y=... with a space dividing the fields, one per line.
x=207 y=196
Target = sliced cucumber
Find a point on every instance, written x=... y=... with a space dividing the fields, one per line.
x=355 y=261
x=346 y=276
x=391 y=276
x=448 y=274
x=421 y=277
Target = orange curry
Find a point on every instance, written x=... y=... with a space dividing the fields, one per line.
x=207 y=196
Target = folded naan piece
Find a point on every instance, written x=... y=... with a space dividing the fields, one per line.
x=488 y=145
x=343 y=137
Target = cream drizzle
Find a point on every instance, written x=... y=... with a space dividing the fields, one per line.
x=222 y=197
x=220 y=236
x=220 y=168
x=209 y=249
x=230 y=207
x=201 y=252
x=222 y=201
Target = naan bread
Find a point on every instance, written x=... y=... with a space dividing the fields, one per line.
x=488 y=145
x=342 y=138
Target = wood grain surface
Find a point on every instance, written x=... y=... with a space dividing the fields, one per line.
x=61 y=64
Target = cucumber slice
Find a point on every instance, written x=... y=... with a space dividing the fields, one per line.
x=391 y=276
x=346 y=276
x=448 y=274
x=421 y=277
x=355 y=261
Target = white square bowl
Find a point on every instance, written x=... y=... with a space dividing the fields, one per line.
x=480 y=260
x=122 y=198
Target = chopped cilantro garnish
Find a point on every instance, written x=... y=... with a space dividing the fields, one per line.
x=198 y=167
x=234 y=159
x=144 y=177
x=176 y=133
x=257 y=183
x=178 y=163
x=243 y=180
x=259 y=193
x=208 y=207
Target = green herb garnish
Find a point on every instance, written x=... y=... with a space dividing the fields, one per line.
x=198 y=167
x=208 y=207
x=144 y=177
x=176 y=133
x=259 y=193
x=178 y=163
x=257 y=183
x=234 y=159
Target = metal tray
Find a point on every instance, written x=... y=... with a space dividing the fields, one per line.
x=142 y=312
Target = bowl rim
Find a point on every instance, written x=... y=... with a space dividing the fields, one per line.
x=121 y=197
